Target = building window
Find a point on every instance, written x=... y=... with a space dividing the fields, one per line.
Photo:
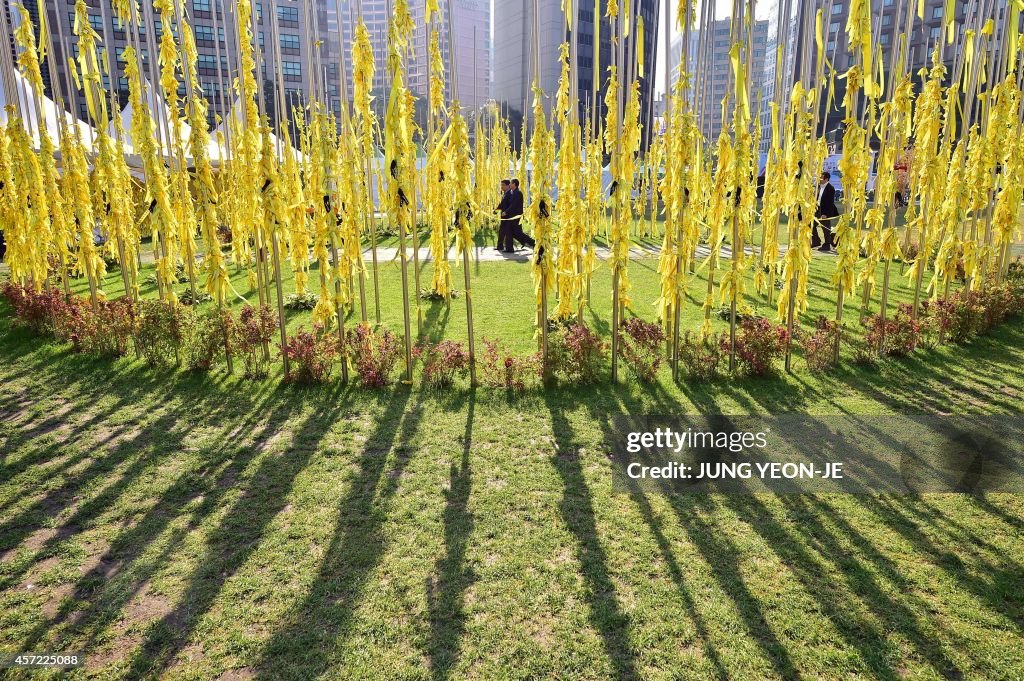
x=833 y=27
x=884 y=38
x=201 y=5
x=289 y=41
x=95 y=21
x=887 y=20
x=288 y=16
x=292 y=70
x=203 y=33
x=837 y=8
x=207 y=64
x=937 y=12
x=935 y=33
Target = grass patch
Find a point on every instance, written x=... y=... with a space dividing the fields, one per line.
x=198 y=526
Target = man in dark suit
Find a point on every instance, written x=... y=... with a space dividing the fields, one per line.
x=516 y=210
x=505 y=224
x=825 y=215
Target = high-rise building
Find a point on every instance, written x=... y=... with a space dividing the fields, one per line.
x=889 y=21
x=295 y=56
x=712 y=78
x=513 y=50
x=471 y=25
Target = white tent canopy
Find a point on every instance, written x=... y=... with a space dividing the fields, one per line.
x=52 y=115
x=163 y=122
x=236 y=114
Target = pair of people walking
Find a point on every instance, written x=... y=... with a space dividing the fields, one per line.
x=511 y=211
x=826 y=215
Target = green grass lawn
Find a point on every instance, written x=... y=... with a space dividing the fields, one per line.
x=201 y=526
x=504 y=303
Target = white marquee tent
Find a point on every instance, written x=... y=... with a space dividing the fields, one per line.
x=30 y=108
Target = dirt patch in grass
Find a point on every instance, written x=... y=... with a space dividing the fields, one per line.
x=271 y=441
x=146 y=607
x=40 y=538
x=38 y=570
x=100 y=565
x=51 y=607
x=239 y=674
x=52 y=422
x=106 y=437
x=16 y=407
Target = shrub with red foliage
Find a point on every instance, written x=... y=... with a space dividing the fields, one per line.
x=499 y=368
x=1000 y=303
x=759 y=344
x=577 y=354
x=701 y=358
x=896 y=336
x=641 y=345
x=159 y=332
x=442 y=362
x=204 y=337
x=251 y=336
x=373 y=354
x=40 y=312
x=108 y=331
x=819 y=345
x=311 y=354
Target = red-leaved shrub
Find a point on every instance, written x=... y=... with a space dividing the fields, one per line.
x=701 y=357
x=641 y=346
x=373 y=354
x=759 y=344
x=159 y=331
x=819 y=345
x=577 y=354
x=251 y=337
x=205 y=337
x=896 y=336
x=311 y=354
x=38 y=311
x=108 y=331
x=442 y=362
x=499 y=368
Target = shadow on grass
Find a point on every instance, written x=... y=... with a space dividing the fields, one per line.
x=302 y=647
x=446 y=592
x=577 y=510
x=123 y=570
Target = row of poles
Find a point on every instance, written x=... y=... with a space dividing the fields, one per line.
x=811 y=72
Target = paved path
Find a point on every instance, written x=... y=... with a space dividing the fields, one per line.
x=523 y=255
x=491 y=254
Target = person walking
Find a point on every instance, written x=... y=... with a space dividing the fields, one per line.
x=505 y=223
x=825 y=215
x=516 y=210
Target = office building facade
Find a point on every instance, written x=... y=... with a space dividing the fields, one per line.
x=513 y=54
